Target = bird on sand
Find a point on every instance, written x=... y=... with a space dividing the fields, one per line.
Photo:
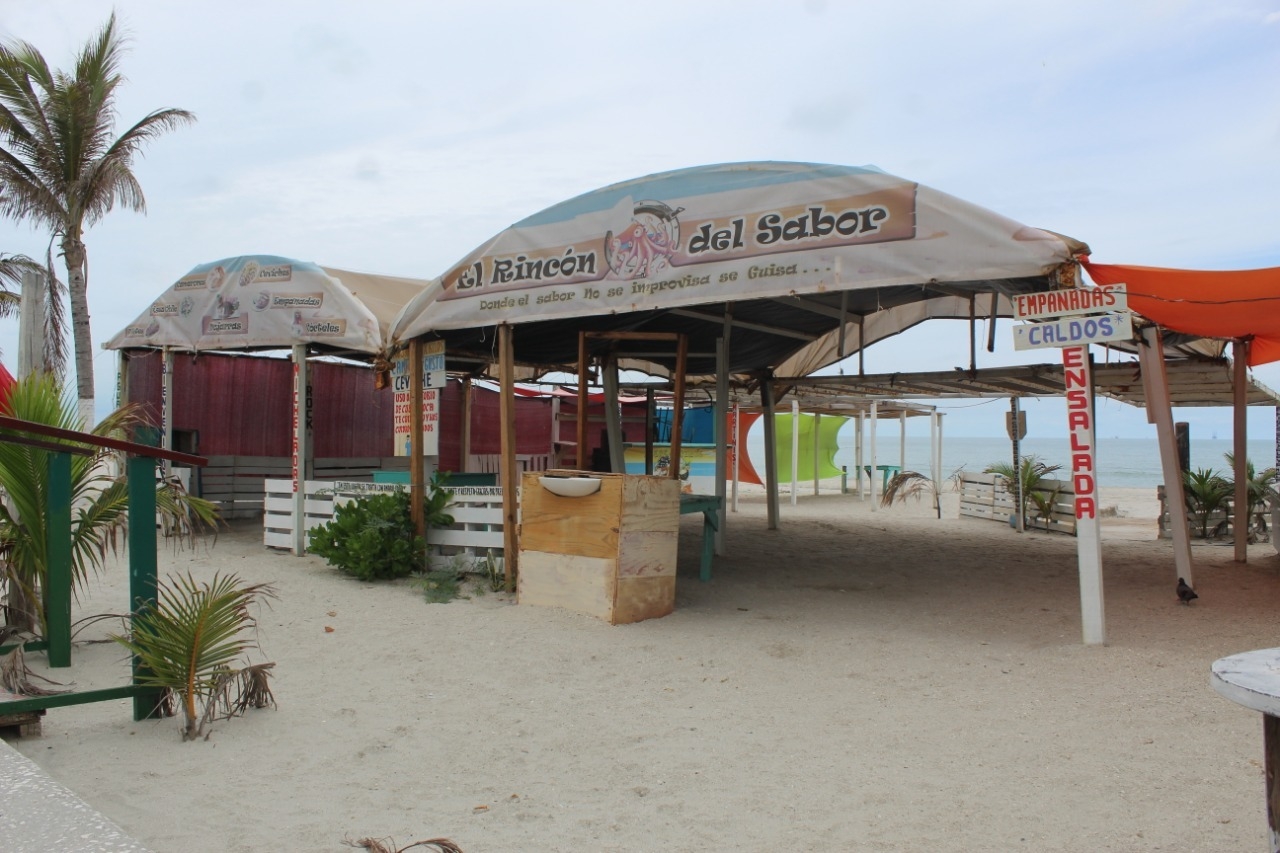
x=1185 y=592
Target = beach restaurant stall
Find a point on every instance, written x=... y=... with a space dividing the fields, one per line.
x=1238 y=306
x=260 y=303
x=741 y=269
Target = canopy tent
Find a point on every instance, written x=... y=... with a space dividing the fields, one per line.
x=1223 y=304
x=805 y=263
x=744 y=268
x=255 y=302
x=267 y=302
x=1235 y=305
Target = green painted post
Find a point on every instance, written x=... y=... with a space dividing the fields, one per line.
x=57 y=593
x=142 y=550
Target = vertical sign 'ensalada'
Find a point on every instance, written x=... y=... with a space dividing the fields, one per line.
x=1079 y=388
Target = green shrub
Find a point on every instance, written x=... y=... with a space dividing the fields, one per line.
x=371 y=538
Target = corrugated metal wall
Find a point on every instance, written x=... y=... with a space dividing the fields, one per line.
x=243 y=406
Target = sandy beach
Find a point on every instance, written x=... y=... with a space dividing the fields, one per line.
x=856 y=680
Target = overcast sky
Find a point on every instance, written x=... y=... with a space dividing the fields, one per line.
x=396 y=137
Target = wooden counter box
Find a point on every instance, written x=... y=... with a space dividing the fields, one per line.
x=611 y=554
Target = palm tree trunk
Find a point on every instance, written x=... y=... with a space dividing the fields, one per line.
x=78 y=288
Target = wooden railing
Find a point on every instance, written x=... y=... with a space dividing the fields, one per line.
x=57 y=588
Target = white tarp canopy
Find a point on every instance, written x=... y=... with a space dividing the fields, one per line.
x=805 y=263
x=255 y=302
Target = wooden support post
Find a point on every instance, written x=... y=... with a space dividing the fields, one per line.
x=991 y=324
x=1078 y=378
x=935 y=458
x=507 y=463
x=875 y=460
x=57 y=610
x=613 y=416
x=858 y=458
x=902 y=441
x=795 y=451
x=738 y=450
x=677 y=412
x=817 y=451
x=770 y=450
x=1015 y=438
x=649 y=418
x=973 y=332
x=166 y=404
x=300 y=450
x=583 y=462
x=722 y=429
x=1271 y=748
x=1159 y=412
x=468 y=399
x=142 y=555
x=417 y=460
x=1240 y=453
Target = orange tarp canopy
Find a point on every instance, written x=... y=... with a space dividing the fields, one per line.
x=1210 y=304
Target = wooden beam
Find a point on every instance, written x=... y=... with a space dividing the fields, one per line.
x=744 y=324
x=507 y=462
x=468 y=399
x=1160 y=413
x=1240 y=387
x=582 y=401
x=417 y=458
x=677 y=403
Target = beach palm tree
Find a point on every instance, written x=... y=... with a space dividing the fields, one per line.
x=61 y=168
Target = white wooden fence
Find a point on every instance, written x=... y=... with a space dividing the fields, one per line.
x=476 y=511
x=989 y=496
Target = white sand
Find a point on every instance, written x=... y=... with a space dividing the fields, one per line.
x=852 y=681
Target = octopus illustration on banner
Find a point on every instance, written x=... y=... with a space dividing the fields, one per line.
x=644 y=247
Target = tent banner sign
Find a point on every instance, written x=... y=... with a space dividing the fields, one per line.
x=1070 y=302
x=1073 y=331
x=433 y=379
x=724 y=233
x=253 y=301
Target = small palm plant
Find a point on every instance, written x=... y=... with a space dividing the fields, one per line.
x=1259 y=488
x=1205 y=492
x=186 y=641
x=1031 y=470
x=1046 y=503
x=99 y=500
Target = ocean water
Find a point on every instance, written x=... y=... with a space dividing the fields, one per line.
x=1122 y=462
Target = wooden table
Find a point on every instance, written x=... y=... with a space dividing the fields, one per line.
x=1252 y=679
x=709 y=506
